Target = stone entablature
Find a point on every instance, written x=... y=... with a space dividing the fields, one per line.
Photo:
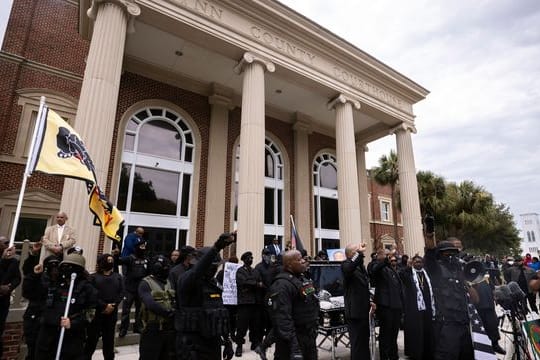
x=293 y=42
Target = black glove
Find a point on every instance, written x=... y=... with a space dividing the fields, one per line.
x=225 y=240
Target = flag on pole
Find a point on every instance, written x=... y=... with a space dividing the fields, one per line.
x=296 y=242
x=106 y=214
x=60 y=150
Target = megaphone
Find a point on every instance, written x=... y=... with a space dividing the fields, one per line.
x=474 y=272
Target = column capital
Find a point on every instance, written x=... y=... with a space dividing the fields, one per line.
x=221 y=95
x=302 y=123
x=403 y=127
x=250 y=58
x=362 y=145
x=132 y=9
x=343 y=99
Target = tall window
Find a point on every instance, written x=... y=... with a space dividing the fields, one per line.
x=325 y=201
x=532 y=236
x=156 y=177
x=385 y=210
x=273 y=191
x=529 y=236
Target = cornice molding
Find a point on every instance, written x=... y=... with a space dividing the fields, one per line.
x=250 y=58
x=41 y=67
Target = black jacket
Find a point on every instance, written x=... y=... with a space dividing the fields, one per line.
x=9 y=274
x=356 y=284
x=246 y=285
x=388 y=287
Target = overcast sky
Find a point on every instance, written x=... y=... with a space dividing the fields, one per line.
x=481 y=62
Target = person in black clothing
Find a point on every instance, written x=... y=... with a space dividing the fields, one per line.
x=452 y=328
x=389 y=302
x=294 y=310
x=249 y=316
x=486 y=310
x=10 y=278
x=419 y=311
x=201 y=320
x=110 y=292
x=357 y=300
x=157 y=314
x=54 y=295
x=36 y=300
x=136 y=268
x=182 y=264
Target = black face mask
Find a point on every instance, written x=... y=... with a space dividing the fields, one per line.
x=68 y=269
x=106 y=266
x=163 y=273
x=140 y=252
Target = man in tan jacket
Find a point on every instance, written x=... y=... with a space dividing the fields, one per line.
x=58 y=238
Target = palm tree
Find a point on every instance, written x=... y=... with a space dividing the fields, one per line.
x=387 y=173
x=431 y=193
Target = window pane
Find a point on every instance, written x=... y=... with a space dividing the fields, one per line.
x=123 y=187
x=30 y=228
x=330 y=244
x=328 y=176
x=329 y=213
x=160 y=138
x=132 y=125
x=268 y=206
x=268 y=164
x=155 y=191
x=188 y=156
x=182 y=239
x=129 y=142
x=184 y=206
x=316 y=207
x=31 y=126
x=280 y=207
x=159 y=240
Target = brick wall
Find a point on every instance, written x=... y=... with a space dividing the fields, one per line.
x=12 y=338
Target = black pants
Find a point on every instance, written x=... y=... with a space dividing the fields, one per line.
x=4 y=309
x=453 y=342
x=196 y=347
x=102 y=325
x=307 y=340
x=128 y=301
x=532 y=302
x=389 y=322
x=359 y=337
x=157 y=344
x=249 y=317
x=47 y=343
x=30 y=330
x=232 y=309
x=490 y=323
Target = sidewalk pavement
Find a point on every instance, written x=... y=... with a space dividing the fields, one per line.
x=131 y=352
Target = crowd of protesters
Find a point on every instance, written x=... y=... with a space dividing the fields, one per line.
x=180 y=314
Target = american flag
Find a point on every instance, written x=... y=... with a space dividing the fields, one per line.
x=481 y=342
x=296 y=243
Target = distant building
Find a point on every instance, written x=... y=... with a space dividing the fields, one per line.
x=530 y=229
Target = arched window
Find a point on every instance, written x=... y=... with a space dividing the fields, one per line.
x=156 y=177
x=273 y=191
x=325 y=202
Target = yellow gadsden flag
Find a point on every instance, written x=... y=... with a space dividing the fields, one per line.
x=60 y=150
x=106 y=214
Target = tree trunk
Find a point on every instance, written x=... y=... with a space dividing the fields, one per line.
x=397 y=239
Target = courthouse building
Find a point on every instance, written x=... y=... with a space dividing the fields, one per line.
x=201 y=117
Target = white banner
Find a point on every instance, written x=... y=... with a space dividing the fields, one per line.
x=229 y=295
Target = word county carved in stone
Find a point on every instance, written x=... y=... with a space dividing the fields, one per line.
x=206 y=8
x=368 y=88
x=282 y=45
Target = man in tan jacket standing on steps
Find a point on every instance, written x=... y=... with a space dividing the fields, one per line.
x=58 y=238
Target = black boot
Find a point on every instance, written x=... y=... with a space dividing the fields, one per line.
x=238 y=352
x=261 y=351
x=498 y=349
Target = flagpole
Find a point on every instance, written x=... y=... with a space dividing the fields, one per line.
x=27 y=171
x=294 y=227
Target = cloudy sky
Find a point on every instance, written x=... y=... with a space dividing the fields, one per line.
x=481 y=62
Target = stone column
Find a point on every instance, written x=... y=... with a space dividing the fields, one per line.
x=413 y=239
x=251 y=171
x=96 y=112
x=347 y=175
x=363 y=193
x=214 y=223
x=302 y=181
